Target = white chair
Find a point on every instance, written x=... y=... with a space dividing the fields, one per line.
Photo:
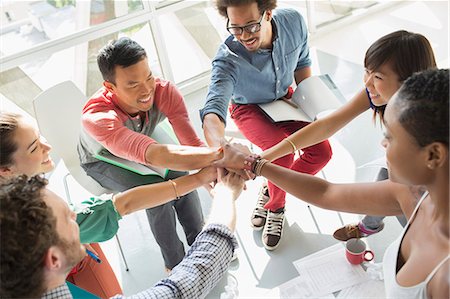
x=58 y=114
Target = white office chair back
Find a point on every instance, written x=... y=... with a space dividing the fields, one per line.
x=58 y=114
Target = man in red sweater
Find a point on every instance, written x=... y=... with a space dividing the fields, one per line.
x=121 y=117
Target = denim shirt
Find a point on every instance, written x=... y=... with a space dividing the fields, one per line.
x=258 y=77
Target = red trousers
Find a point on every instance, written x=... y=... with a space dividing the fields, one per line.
x=98 y=279
x=260 y=130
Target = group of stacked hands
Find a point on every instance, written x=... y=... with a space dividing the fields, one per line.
x=267 y=48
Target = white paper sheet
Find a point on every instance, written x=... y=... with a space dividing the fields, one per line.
x=369 y=289
x=328 y=271
x=297 y=288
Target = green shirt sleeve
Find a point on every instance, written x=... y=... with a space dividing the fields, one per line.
x=98 y=220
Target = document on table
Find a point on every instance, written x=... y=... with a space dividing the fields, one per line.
x=328 y=271
x=369 y=289
x=297 y=287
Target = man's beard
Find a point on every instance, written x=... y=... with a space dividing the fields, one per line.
x=72 y=252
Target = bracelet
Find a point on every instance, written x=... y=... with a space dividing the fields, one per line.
x=174 y=185
x=259 y=166
x=249 y=161
x=291 y=143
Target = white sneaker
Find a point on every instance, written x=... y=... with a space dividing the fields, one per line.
x=273 y=230
x=259 y=215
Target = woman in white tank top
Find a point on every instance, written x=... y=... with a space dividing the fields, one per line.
x=417 y=152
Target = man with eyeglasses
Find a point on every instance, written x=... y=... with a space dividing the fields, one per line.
x=256 y=64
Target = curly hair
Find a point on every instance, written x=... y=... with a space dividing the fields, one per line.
x=407 y=52
x=423 y=102
x=28 y=230
x=121 y=52
x=222 y=5
x=9 y=122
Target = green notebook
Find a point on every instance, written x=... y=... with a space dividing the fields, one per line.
x=79 y=293
x=163 y=134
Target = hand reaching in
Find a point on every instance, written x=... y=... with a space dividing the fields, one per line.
x=208 y=177
x=231 y=181
x=233 y=155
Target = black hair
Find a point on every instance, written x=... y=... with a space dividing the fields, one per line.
x=121 y=52
x=263 y=5
x=9 y=122
x=423 y=102
x=405 y=51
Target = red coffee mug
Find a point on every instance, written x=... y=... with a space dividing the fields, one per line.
x=356 y=252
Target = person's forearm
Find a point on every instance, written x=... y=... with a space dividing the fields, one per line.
x=214 y=129
x=320 y=129
x=313 y=133
x=379 y=198
x=203 y=266
x=303 y=186
x=302 y=74
x=149 y=196
x=179 y=157
x=223 y=209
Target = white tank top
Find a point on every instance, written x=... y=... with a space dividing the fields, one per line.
x=393 y=289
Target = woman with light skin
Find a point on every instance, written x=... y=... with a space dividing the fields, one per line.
x=416 y=265
x=24 y=151
x=388 y=62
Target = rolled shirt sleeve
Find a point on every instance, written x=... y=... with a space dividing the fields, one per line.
x=223 y=81
x=200 y=270
x=105 y=125
x=98 y=219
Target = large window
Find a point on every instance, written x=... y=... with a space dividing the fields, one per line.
x=192 y=37
x=45 y=42
x=28 y=23
x=321 y=13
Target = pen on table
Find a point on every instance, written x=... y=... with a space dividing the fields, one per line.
x=289 y=102
x=93 y=256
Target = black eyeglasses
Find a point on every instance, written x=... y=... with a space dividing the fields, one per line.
x=250 y=28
